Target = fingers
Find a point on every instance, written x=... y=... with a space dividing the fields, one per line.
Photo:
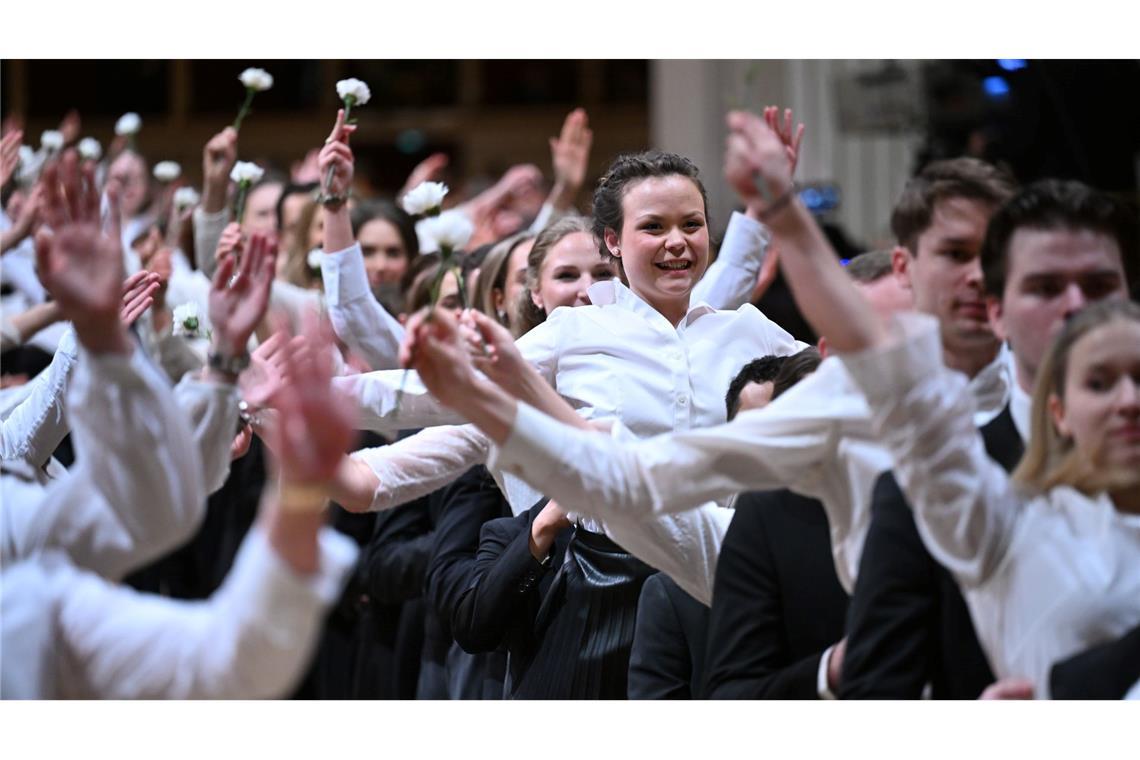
x=43 y=242
x=224 y=272
x=135 y=280
x=269 y=347
x=252 y=257
x=114 y=225
x=53 y=209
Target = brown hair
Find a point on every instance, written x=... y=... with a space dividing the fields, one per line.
x=630 y=168
x=956 y=178
x=527 y=315
x=296 y=270
x=870 y=267
x=1051 y=459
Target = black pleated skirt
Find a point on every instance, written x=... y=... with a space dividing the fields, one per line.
x=584 y=628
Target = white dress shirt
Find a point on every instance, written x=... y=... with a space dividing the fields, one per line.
x=816 y=439
x=1045 y=576
x=37 y=425
x=67 y=633
x=107 y=517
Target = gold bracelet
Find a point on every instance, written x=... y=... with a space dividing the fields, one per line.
x=302 y=497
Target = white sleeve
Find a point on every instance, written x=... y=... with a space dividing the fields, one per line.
x=357 y=317
x=35 y=428
x=105 y=515
x=212 y=410
x=964 y=503
x=251 y=640
x=729 y=281
x=376 y=393
x=788 y=444
x=422 y=463
x=208 y=230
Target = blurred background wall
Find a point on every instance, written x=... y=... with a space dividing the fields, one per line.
x=871 y=123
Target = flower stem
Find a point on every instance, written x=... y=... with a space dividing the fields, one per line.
x=239 y=204
x=249 y=93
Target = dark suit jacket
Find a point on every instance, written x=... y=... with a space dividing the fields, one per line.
x=467 y=504
x=777 y=603
x=668 y=655
x=908 y=624
x=506 y=586
x=1106 y=671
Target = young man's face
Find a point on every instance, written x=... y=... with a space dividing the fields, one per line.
x=945 y=273
x=1051 y=275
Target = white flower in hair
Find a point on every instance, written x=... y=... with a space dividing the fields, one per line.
x=314 y=259
x=185 y=197
x=51 y=140
x=425 y=198
x=90 y=149
x=187 y=321
x=353 y=92
x=167 y=171
x=258 y=80
x=128 y=124
x=246 y=173
x=446 y=233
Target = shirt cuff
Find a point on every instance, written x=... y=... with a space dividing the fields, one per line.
x=745 y=242
x=534 y=448
x=270 y=587
x=343 y=275
x=821 y=687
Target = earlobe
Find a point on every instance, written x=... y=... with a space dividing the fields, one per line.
x=821 y=346
x=900 y=266
x=613 y=243
x=1057 y=412
x=994 y=312
x=536 y=299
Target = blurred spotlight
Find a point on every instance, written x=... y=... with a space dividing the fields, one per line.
x=411 y=141
x=995 y=87
x=1011 y=64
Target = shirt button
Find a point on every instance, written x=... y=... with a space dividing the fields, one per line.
x=683 y=400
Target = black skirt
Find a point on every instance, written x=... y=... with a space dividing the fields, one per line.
x=584 y=628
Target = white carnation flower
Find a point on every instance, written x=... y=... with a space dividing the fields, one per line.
x=51 y=140
x=355 y=89
x=258 y=80
x=246 y=172
x=128 y=124
x=90 y=149
x=447 y=232
x=167 y=171
x=30 y=164
x=424 y=198
x=185 y=196
x=314 y=258
x=27 y=156
x=187 y=320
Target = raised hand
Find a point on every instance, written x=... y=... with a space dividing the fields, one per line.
x=434 y=348
x=238 y=301
x=307 y=169
x=335 y=159
x=79 y=266
x=314 y=424
x=755 y=155
x=262 y=379
x=493 y=350
x=784 y=132
x=218 y=158
x=139 y=291
x=428 y=170
x=570 y=155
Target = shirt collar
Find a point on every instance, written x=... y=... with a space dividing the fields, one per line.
x=992 y=386
x=613 y=292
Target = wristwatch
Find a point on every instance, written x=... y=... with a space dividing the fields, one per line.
x=229 y=365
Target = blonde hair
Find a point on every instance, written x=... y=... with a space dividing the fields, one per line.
x=296 y=270
x=526 y=314
x=493 y=276
x=1052 y=459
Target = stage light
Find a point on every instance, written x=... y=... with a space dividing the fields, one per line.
x=1012 y=64
x=995 y=87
